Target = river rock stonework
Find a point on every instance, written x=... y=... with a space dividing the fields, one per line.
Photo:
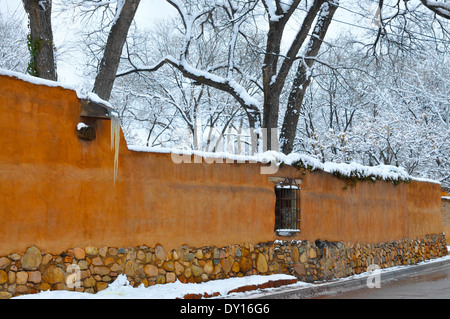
x=90 y=269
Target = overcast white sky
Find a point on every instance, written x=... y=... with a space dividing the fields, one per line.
x=148 y=11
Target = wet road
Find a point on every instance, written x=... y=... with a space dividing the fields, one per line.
x=433 y=285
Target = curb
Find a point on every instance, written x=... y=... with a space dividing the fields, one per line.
x=349 y=284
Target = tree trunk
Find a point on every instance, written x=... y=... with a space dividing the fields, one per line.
x=111 y=57
x=270 y=116
x=40 y=40
x=273 y=77
x=272 y=88
x=303 y=77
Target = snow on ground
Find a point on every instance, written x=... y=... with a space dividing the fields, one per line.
x=121 y=289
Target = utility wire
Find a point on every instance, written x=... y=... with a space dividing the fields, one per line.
x=431 y=38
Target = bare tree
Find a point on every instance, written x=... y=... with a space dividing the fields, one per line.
x=172 y=108
x=13 y=50
x=407 y=25
x=201 y=16
x=126 y=9
x=41 y=47
x=40 y=40
x=275 y=65
x=274 y=77
x=303 y=77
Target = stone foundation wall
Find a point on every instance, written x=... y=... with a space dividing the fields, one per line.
x=91 y=269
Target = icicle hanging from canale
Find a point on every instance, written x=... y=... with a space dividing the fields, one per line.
x=115 y=140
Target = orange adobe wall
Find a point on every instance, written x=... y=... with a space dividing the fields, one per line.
x=446 y=216
x=57 y=191
x=445 y=193
x=368 y=212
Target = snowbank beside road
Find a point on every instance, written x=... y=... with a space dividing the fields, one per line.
x=121 y=289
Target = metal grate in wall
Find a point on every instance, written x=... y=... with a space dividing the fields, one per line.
x=287 y=208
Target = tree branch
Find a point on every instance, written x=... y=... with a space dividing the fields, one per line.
x=250 y=104
x=441 y=9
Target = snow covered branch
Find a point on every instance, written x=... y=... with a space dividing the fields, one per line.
x=440 y=8
x=250 y=104
x=280 y=10
x=191 y=16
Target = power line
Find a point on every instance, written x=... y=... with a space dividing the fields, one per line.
x=427 y=37
x=431 y=38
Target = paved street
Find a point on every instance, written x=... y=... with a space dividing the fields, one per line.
x=427 y=280
x=433 y=285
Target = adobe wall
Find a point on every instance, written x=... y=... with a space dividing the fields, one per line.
x=58 y=190
x=446 y=216
x=368 y=211
x=57 y=193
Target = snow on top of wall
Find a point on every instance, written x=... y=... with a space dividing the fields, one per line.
x=348 y=170
x=352 y=169
x=81 y=93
